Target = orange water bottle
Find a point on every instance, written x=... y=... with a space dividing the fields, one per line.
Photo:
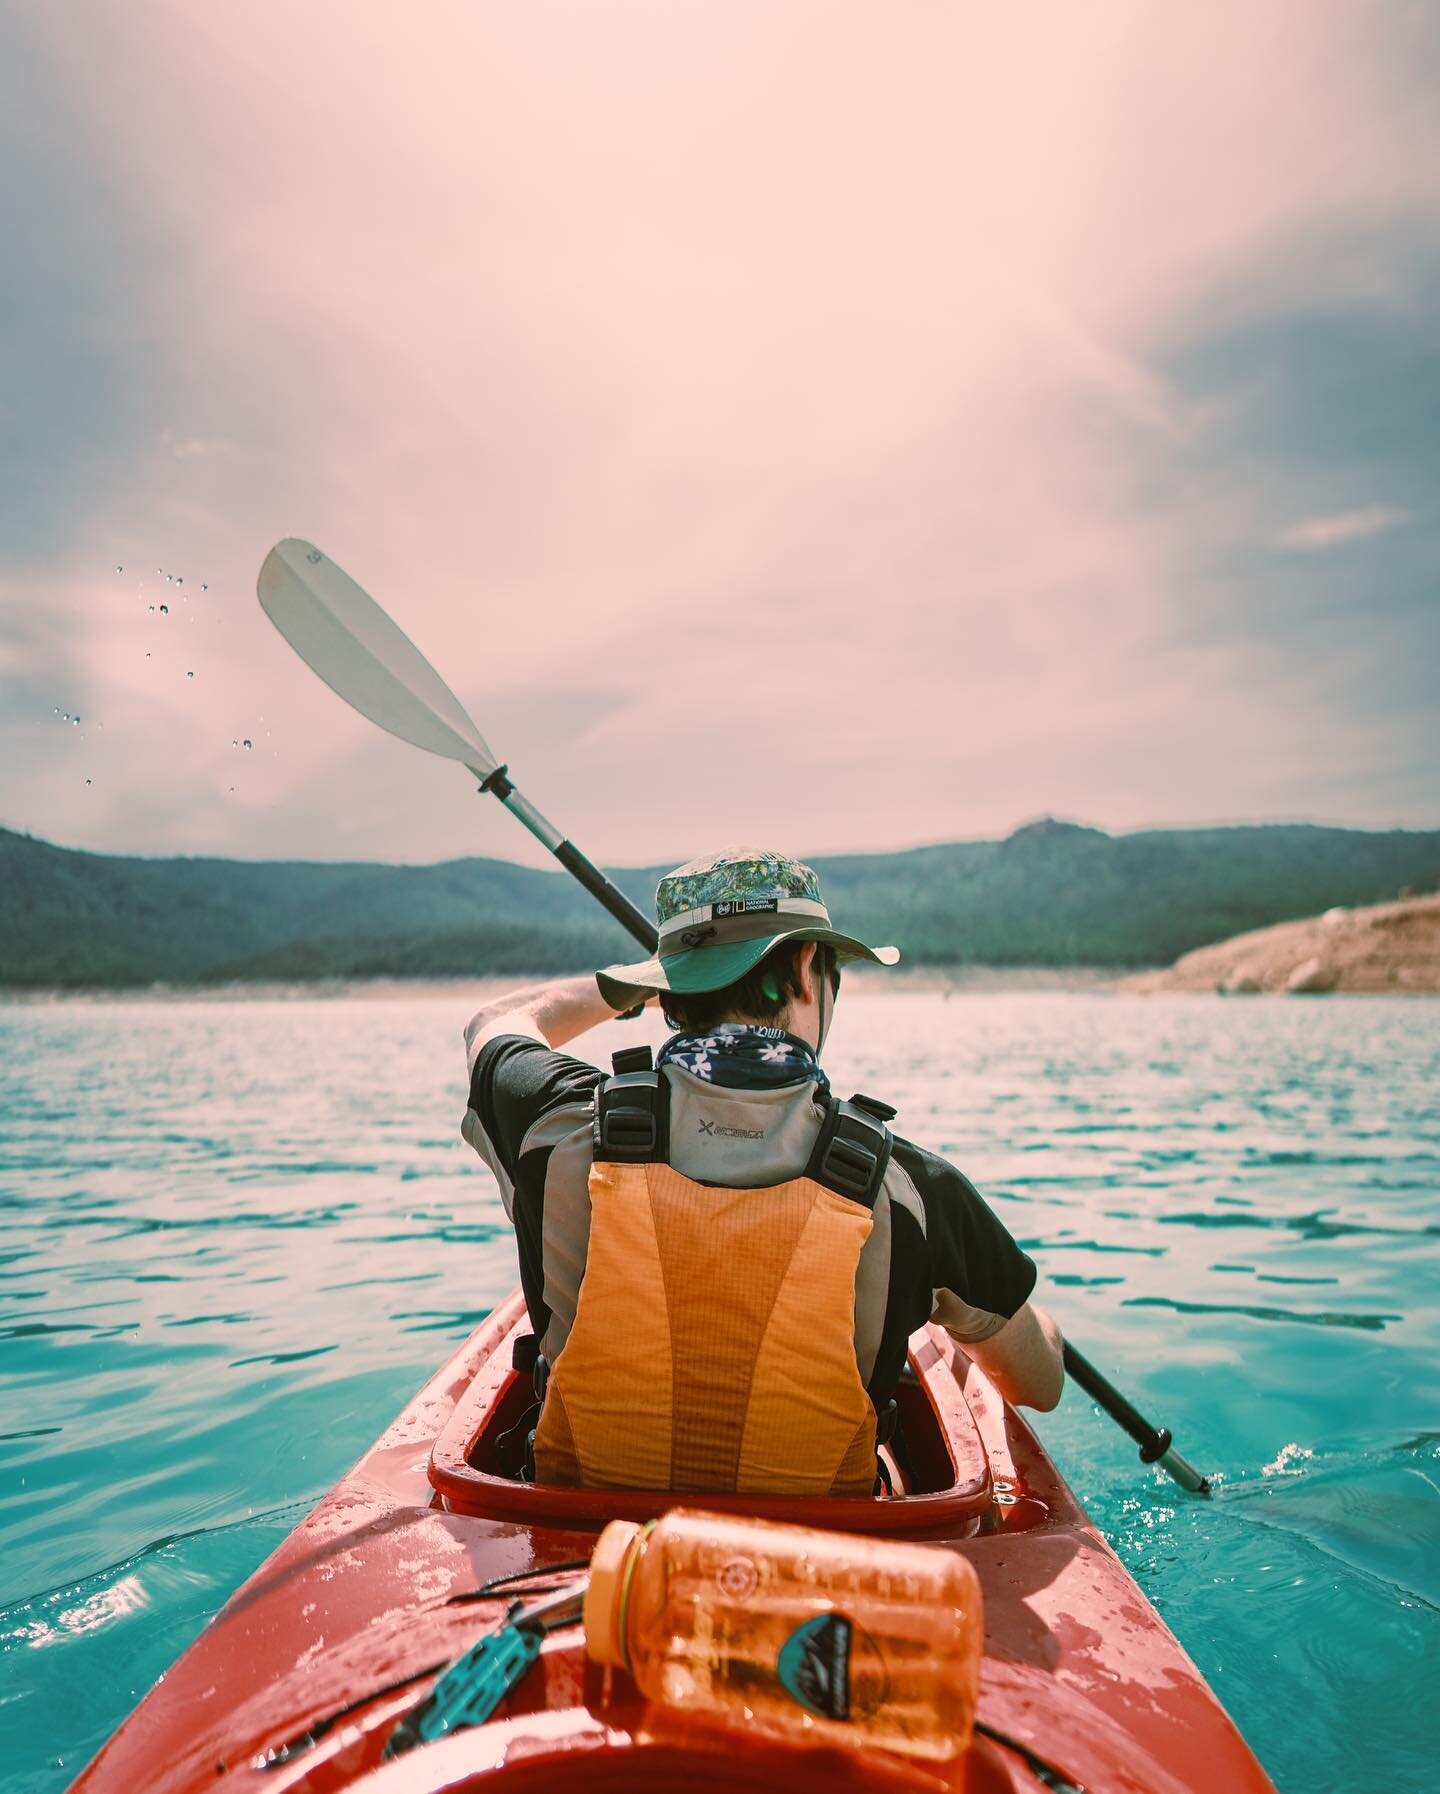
x=815 y=1635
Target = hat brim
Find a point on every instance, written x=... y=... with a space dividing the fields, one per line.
x=699 y=969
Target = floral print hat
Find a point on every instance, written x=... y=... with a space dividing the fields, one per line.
x=720 y=916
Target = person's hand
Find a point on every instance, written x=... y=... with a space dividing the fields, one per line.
x=553 y=1013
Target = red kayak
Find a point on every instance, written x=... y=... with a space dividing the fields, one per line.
x=298 y=1682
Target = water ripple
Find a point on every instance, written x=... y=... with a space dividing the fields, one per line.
x=1370 y=1322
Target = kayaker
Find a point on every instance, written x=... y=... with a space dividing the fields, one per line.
x=725 y=1302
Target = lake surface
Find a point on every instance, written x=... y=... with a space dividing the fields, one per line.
x=235 y=1237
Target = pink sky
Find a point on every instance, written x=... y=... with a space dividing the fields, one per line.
x=833 y=425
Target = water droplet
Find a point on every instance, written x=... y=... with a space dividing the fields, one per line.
x=179 y=579
x=232 y=787
x=248 y=745
x=234 y=742
x=87 y=781
x=118 y=569
x=169 y=579
x=152 y=610
x=203 y=586
x=164 y=610
x=189 y=675
x=147 y=654
x=76 y=721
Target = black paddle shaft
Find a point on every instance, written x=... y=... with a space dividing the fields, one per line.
x=499 y=784
x=1156 y=1444
x=614 y=899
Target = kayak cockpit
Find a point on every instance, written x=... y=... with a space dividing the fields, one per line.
x=951 y=1489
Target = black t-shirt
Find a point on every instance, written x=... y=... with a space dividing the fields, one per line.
x=950 y=1257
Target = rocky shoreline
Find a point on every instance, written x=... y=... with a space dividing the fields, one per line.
x=1387 y=949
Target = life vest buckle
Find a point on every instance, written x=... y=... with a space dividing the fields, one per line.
x=630 y=1118
x=848 y=1168
x=852 y=1153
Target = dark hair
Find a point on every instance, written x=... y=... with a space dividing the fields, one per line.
x=697 y=1012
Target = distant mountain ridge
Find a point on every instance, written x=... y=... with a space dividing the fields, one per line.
x=1052 y=893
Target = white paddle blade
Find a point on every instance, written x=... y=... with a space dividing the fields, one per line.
x=342 y=634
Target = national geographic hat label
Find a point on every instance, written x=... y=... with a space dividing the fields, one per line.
x=746 y=906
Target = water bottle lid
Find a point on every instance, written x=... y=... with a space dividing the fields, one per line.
x=604 y=1597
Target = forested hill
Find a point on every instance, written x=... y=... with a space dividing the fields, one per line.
x=1051 y=894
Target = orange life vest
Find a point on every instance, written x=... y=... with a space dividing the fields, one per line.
x=713 y=1346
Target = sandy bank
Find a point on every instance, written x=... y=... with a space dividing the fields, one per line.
x=1387 y=949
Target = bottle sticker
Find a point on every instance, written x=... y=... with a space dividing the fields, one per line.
x=814 y=1666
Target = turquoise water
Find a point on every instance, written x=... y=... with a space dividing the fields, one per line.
x=234 y=1237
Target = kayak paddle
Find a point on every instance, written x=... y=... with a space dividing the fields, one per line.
x=1155 y=1443
x=342 y=634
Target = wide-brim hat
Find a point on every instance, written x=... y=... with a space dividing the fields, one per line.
x=720 y=916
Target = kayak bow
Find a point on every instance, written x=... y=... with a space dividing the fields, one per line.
x=340 y=1638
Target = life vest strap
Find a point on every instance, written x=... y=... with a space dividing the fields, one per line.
x=632 y=1113
x=852 y=1153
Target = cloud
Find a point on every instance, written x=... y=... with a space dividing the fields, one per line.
x=1343 y=526
x=874 y=429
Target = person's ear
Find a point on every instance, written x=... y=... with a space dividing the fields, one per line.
x=805 y=971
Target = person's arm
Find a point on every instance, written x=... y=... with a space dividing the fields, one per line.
x=982 y=1283
x=1025 y=1360
x=553 y=1013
